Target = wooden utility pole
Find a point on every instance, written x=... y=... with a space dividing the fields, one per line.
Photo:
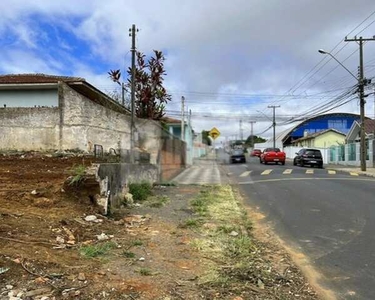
x=132 y=33
x=361 y=86
x=274 y=123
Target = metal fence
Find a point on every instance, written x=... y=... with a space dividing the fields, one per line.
x=349 y=154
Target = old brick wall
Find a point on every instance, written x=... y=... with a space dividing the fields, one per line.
x=173 y=156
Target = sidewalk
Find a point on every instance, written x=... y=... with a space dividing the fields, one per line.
x=369 y=171
x=205 y=170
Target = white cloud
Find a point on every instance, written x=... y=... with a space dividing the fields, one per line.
x=238 y=47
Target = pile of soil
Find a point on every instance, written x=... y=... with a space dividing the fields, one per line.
x=55 y=245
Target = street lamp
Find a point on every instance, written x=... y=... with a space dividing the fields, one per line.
x=321 y=51
x=362 y=110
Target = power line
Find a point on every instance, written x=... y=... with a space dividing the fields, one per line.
x=303 y=80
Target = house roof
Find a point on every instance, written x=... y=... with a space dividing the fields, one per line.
x=170 y=120
x=316 y=134
x=355 y=129
x=80 y=85
x=369 y=126
x=36 y=78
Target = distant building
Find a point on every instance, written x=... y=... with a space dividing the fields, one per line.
x=354 y=132
x=174 y=128
x=341 y=122
x=321 y=139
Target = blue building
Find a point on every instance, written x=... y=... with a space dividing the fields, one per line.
x=339 y=121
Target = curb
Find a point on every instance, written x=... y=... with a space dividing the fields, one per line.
x=348 y=171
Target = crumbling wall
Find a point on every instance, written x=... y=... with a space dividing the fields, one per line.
x=149 y=138
x=117 y=176
x=27 y=129
x=85 y=123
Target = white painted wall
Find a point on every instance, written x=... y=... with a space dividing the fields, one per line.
x=29 y=98
x=265 y=145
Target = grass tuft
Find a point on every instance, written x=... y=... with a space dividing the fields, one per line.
x=140 y=191
x=78 y=172
x=92 y=251
x=227 y=229
x=239 y=247
x=158 y=201
x=137 y=243
x=145 y=272
x=128 y=254
x=191 y=223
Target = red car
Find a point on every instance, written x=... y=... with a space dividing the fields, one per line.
x=272 y=155
x=256 y=152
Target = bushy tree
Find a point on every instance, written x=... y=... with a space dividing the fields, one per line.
x=150 y=95
x=257 y=139
x=205 y=138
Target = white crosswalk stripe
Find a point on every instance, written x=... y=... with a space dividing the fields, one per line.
x=266 y=172
x=354 y=174
x=288 y=171
x=331 y=172
x=309 y=171
x=245 y=174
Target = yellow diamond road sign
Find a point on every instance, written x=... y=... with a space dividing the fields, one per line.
x=214 y=133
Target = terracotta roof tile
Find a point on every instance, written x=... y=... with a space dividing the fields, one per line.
x=36 y=78
x=170 y=120
x=369 y=126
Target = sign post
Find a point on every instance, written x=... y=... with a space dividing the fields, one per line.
x=214 y=133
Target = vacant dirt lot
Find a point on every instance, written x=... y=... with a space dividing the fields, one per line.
x=182 y=243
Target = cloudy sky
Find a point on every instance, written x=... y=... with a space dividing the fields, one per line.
x=229 y=59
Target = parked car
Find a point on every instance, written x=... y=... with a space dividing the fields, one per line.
x=311 y=157
x=237 y=155
x=256 y=152
x=272 y=155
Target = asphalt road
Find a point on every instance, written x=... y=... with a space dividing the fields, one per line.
x=327 y=215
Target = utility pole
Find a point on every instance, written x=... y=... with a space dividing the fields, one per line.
x=132 y=33
x=241 y=131
x=274 y=123
x=182 y=118
x=252 y=132
x=123 y=94
x=361 y=86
